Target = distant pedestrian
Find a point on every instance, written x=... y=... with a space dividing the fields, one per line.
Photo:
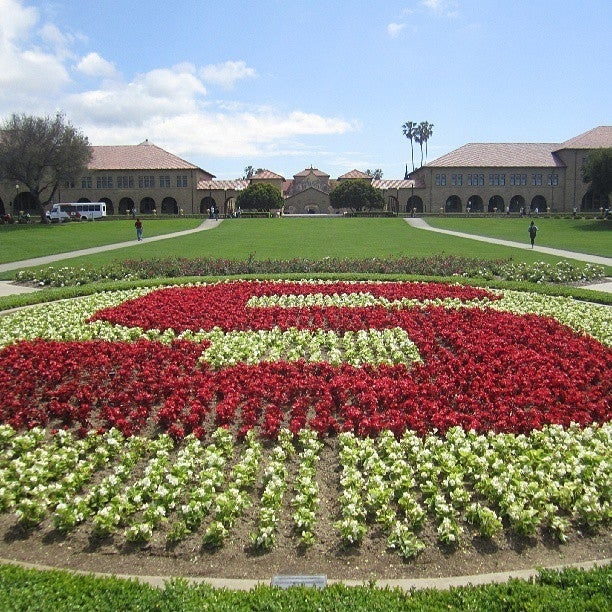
x=138 y=226
x=533 y=230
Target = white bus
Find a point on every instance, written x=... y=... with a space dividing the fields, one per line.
x=77 y=211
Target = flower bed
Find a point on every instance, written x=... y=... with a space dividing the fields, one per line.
x=447 y=405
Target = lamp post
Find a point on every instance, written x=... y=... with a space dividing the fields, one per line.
x=15 y=204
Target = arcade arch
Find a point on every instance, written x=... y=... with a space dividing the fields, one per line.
x=453 y=204
x=147 y=205
x=538 y=202
x=110 y=209
x=496 y=204
x=475 y=203
x=125 y=206
x=516 y=203
x=206 y=203
x=416 y=203
x=169 y=206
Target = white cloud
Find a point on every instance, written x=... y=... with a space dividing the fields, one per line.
x=444 y=8
x=227 y=74
x=168 y=105
x=96 y=66
x=393 y=29
x=26 y=69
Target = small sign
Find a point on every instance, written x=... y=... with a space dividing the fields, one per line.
x=286 y=581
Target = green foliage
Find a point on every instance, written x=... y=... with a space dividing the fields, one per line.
x=572 y=589
x=39 y=152
x=260 y=196
x=356 y=195
x=598 y=171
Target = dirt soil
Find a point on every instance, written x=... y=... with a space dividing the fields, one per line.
x=370 y=561
x=237 y=559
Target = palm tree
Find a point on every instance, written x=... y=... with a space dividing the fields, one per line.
x=409 y=132
x=419 y=138
x=426 y=133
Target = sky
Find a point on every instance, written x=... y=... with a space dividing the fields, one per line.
x=286 y=85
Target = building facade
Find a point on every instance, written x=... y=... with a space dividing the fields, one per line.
x=477 y=177
x=505 y=177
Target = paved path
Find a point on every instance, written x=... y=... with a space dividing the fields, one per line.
x=8 y=288
x=406 y=584
x=604 y=285
x=594 y=259
x=41 y=261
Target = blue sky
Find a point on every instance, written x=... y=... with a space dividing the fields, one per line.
x=286 y=85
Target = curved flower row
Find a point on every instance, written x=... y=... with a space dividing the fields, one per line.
x=464 y=483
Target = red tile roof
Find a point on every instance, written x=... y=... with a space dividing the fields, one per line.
x=355 y=174
x=597 y=138
x=500 y=155
x=144 y=156
x=236 y=185
x=395 y=184
x=311 y=170
x=267 y=174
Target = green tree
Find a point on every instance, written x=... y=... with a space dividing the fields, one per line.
x=42 y=152
x=409 y=133
x=598 y=171
x=375 y=174
x=356 y=195
x=260 y=196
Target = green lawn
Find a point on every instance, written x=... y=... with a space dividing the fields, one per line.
x=285 y=238
x=26 y=241
x=593 y=236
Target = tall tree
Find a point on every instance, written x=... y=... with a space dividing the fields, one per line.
x=426 y=131
x=260 y=196
x=598 y=171
x=420 y=139
x=356 y=195
x=408 y=129
x=375 y=174
x=41 y=152
x=249 y=171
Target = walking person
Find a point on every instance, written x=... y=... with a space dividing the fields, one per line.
x=138 y=226
x=533 y=230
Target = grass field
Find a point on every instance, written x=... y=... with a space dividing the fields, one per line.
x=593 y=236
x=26 y=241
x=286 y=238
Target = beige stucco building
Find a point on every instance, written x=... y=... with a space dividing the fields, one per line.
x=488 y=177
x=481 y=177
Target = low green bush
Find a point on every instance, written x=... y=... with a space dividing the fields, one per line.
x=571 y=589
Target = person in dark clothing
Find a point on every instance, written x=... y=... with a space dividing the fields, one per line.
x=533 y=230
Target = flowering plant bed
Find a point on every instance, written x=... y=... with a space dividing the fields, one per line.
x=200 y=416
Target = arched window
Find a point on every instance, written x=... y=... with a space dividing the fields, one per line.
x=496 y=204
